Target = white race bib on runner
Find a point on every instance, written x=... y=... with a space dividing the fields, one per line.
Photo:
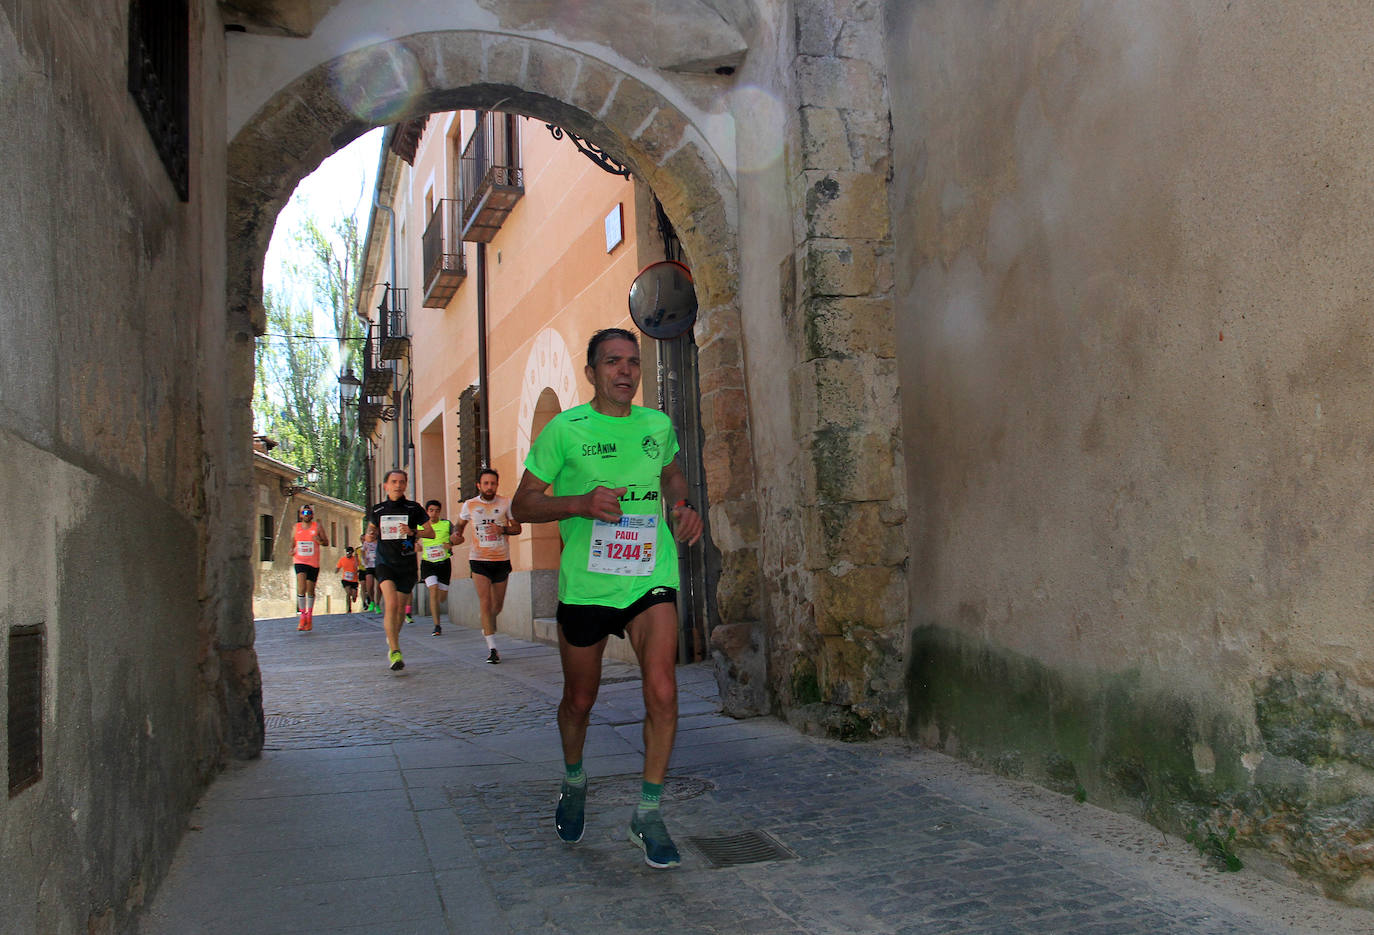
x=625 y=547
x=489 y=533
x=435 y=553
x=305 y=547
x=391 y=527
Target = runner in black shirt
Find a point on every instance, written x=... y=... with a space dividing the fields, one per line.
x=399 y=521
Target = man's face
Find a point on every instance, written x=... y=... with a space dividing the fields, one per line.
x=486 y=487
x=433 y=511
x=616 y=374
x=395 y=486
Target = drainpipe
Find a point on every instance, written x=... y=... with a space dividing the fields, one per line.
x=483 y=439
x=391 y=285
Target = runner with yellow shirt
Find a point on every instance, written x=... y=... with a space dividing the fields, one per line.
x=436 y=560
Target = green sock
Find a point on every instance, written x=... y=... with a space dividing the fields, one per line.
x=649 y=795
x=573 y=773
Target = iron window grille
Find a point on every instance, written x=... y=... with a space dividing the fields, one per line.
x=160 y=81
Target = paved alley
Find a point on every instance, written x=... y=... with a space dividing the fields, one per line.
x=422 y=802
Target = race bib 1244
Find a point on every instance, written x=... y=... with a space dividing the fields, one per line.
x=625 y=547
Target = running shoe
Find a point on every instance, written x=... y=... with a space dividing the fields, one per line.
x=301 y=625
x=438 y=630
x=308 y=621
x=570 y=818
x=647 y=831
x=397 y=662
x=493 y=657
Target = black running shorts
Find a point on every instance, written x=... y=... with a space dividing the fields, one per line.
x=496 y=571
x=311 y=572
x=589 y=624
x=441 y=570
x=403 y=577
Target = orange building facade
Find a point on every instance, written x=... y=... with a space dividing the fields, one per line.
x=511 y=248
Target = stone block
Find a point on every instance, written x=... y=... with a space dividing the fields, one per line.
x=818 y=28
x=726 y=410
x=825 y=140
x=550 y=71
x=728 y=464
x=735 y=525
x=850 y=465
x=840 y=267
x=719 y=351
x=846 y=205
x=847 y=83
x=631 y=105
x=714 y=274
x=593 y=87
x=865 y=533
x=717 y=323
x=453 y=59
x=852 y=326
x=662 y=134
x=828 y=393
x=868 y=596
x=503 y=60
x=739 y=593
x=869 y=135
x=719 y=378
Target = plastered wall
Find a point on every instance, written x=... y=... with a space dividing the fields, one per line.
x=110 y=482
x=1133 y=303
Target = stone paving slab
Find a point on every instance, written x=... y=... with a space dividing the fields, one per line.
x=422 y=801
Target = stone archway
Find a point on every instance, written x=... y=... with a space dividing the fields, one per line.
x=309 y=119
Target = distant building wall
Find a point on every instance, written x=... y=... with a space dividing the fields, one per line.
x=274 y=571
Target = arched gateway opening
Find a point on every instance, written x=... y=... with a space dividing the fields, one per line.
x=641 y=126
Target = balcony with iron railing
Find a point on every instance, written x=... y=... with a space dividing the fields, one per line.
x=395 y=328
x=442 y=249
x=491 y=176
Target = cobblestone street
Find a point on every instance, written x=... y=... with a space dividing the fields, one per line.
x=422 y=801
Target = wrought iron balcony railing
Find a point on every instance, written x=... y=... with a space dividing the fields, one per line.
x=491 y=176
x=395 y=330
x=442 y=248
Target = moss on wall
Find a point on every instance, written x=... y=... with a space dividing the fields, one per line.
x=1122 y=742
x=1294 y=783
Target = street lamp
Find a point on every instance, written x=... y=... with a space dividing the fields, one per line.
x=350 y=385
x=312 y=477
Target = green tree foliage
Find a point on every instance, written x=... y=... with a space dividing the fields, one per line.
x=296 y=399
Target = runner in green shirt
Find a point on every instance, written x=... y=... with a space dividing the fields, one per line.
x=436 y=565
x=611 y=469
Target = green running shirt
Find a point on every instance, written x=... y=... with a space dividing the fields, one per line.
x=442 y=530
x=610 y=564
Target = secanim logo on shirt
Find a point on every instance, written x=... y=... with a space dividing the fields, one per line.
x=651 y=447
x=598 y=449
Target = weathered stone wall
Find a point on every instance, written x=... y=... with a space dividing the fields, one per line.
x=839 y=593
x=103 y=460
x=1133 y=249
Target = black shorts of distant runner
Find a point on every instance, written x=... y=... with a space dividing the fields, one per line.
x=311 y=572
x=402 y=576
x=496 y=571
x=589 y=624
x=440 y=571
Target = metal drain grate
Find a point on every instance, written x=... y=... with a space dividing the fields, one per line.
x=279 y=720
x=746 y=847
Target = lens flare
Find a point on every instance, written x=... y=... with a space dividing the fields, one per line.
x=378 y=83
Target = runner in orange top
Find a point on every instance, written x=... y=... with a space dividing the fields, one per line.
x=306 y=541
x=348 y=571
